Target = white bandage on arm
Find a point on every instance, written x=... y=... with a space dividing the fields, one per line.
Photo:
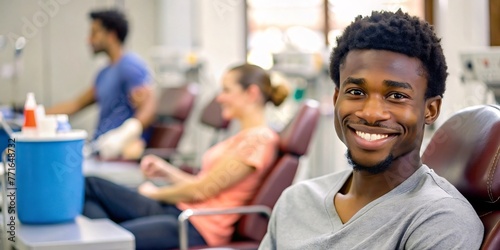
x=112 y=143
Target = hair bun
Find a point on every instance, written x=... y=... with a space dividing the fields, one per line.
x=279 y=94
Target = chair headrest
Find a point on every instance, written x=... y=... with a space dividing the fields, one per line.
x=296 y=136
x=177 y=102
x=211 y=115
x=466 y=151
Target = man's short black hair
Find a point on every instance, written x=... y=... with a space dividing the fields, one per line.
x=112 y=20
x=397 y=32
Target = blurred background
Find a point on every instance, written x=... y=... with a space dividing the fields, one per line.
x=196 y=40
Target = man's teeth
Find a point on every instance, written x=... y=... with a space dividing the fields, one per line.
x=371 y=137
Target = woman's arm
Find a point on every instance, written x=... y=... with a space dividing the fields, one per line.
x=225 y=174
x=153 y=167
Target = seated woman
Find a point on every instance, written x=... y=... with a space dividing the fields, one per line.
x=231 y=172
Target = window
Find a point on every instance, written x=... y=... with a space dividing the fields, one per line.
x=283 y=25
x=298 y=25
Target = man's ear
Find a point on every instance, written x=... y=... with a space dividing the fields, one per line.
x=432 y=109
x=112 y=35
x=335 y=95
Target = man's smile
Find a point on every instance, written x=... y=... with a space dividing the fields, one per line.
x=371 y=138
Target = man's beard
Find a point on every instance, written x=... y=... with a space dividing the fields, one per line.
x=375 y=169
x=98 y=51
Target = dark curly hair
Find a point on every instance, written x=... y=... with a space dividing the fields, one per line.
x=112 y=20
x=397 y=32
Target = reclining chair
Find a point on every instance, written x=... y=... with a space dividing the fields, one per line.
x=175 y=106
x=466 y=151
x=251 y=227
x=211 y=116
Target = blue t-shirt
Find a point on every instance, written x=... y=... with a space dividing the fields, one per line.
x=113 y=87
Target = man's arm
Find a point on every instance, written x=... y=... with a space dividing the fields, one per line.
x=70 y=107
x=269 y=240
x=145 y=102
x=125 y=140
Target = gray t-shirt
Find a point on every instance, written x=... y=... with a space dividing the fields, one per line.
x=423 y=212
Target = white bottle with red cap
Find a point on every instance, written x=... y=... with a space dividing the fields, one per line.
x=30 y=123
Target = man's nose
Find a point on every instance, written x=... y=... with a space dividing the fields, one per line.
x=373 y=110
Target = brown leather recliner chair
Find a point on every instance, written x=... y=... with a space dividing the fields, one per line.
x=251 y=228
x=211 y=116
x=175 y=106
x=466 y=151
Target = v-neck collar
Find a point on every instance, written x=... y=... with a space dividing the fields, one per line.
x=404 y=187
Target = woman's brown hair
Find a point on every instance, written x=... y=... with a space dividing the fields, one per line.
x=253 y=74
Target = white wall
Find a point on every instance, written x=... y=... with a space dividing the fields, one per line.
x=462 y=24
x=222 y=33
x=16 y=19
x=175 y=23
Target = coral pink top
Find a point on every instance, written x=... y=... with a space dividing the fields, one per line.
x=256 y=147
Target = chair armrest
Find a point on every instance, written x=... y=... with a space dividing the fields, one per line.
x=189 y=169
x=170 y=154
x=164 y=153
x=188 y=213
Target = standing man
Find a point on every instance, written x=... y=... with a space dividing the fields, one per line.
x=122 y=89
x=389 y=73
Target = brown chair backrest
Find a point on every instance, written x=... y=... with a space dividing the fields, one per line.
x=211 y=115
x=175 y=105
x=177 y=102
x=294 y=142
x=465 y=150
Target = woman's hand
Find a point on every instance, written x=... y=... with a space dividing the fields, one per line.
x=154 y=167
x=148 y=189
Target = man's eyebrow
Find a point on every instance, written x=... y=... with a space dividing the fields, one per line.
x=396 y=84
x=389 y=83
x=357 y=81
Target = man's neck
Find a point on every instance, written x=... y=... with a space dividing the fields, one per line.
x=362 y=188
x=115 y=53
x=372 y=186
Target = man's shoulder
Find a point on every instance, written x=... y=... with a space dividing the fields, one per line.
x=439 y=188
x=320 y=185
x=430 y=196
x=132 y=59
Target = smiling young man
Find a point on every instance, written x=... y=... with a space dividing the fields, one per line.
x=390 y=73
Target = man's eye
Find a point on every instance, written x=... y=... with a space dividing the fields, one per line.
x=397 y=96
x=355 y=92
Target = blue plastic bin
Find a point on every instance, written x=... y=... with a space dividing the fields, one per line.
x=4 y=138
x=49 y=179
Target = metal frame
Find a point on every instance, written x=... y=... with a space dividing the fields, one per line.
x=188 y=213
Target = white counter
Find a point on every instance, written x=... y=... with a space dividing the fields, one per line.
x=82 y=234
x=126 y=173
